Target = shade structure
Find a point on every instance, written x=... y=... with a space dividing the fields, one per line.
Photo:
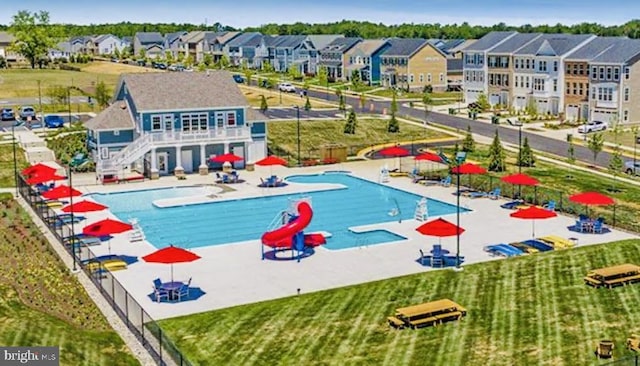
x=592 y=199
x=468 y=168
x=43 y=177
x=106 y=227
x=226 y=158
x=394 y=151
x=440 y=228
x=271 y=160
x=84 y=206
x=171 y=255
x=520 y=179
x=62 y=191
x=38 y=169
x=429 y=157
x=533 y=213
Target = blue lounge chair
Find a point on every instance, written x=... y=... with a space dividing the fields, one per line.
x=538 y=244
x=512 y=205
x=78 y=160
x=598 y=225
x=551 y=205
x=437 y=256
x=160 y=294
x=504 y=250
x=495 y=194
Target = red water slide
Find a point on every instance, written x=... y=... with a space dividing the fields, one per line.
x=282 y=236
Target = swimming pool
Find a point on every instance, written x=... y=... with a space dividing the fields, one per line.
x=359 y=203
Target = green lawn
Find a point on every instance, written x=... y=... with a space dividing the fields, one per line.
x=42 y=303
x=6 y=164
x=625 y=138
x=282 y=135
x=454 y=96
x=20 y=83
x=532 y=310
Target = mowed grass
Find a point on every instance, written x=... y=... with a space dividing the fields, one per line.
x=22 y=83
x=254 y=97
x=369 y=132
x=533 y=310
x=7 y=178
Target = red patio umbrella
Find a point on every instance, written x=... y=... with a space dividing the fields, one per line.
x=440 y=228
x=592 y=199
x=171 y=255
x=38 y=169
x=271 y=160
x=533 y=213
x=226 y=157
x=395 y=151
x=468 y=168
x=45 y=176
x=520 y=179
x=106 y=227
x=429 y=157
x=84 y=206
x=62 y=191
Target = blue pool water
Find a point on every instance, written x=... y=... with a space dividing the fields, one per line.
x=360 y=202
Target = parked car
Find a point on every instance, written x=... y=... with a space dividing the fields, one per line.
x=630 y=169
x=27 y=112
x=592 y=126
x=53 y=121
x=176 y=67
x=159 y=65
x=7 y=114
x=238 y=78
x=286 y=87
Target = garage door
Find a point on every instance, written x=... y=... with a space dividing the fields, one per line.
x=494 y=99
x=520 y=103
x=572 y=112
x=471 y=96
x=604 y=116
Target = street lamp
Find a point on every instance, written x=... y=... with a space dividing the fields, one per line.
x=15 y=161
x=458 y=162
x=69 y=102
x=297 y=107
x=73 y=233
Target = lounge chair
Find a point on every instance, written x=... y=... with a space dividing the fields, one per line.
x=437 y=256
x=598 y=225
x=78 y=160
x=557 y=242
x=446 y=181
x=604 y=349
x=512 y=205
x=495 y=194
x=160 y=294
x=504 y=250
x=633 y=343
x=538 y=244
x=83 y=240
x=551 y=205
x=524 y=248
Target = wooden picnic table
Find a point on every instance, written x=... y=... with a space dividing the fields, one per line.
x=614 y=275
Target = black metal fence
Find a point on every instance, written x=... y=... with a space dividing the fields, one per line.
x=145 y=328
x=633 y=360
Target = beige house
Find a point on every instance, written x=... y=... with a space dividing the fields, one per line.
x=413 y=63
x=5 y=48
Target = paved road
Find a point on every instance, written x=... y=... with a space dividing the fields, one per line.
x=292 y=113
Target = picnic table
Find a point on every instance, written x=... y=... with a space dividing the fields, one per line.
x=429 y=313
x=613 y=276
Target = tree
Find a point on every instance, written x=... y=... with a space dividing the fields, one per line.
x=483 y=102
x=248 y=74
x=497 y=155
x=571 y=154
x=168 y=55
x=468 y=145
x=103 y=94
x=426 y=103
x=615 y=166
x=272 y=82
x=33 y=36
x=58 y=95
x=323 y=76
x=207 y=59
x=355 y=80
x=393 y=126
x=142 y=54
x=267 y=67
x=394 y=104
x=307 y=104
x=531 y=108
x=363 y=101
x=188 y=61
x=595 y=143
x=342 y=105
x=350 y=126
x=526 y=157
x=3 y=62
x=202 y=67
x=263 y=103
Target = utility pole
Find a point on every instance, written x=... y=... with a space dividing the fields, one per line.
x=40 y=99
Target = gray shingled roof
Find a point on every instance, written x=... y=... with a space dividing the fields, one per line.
x=368 y=46
x=623 y=51
x=592 y=49
x=488 y=41
x=559 y=43
x=254 y=115
x=149 y=37
x=6 y=37
x=449 y=44
x=183 y=90
x=404 y=46
x=454 y=65
x=116 y=117
x=514 y=43
x=320 y=41
x=172 y=37
x=251 y=39
x=341 y=44
x=287 y=41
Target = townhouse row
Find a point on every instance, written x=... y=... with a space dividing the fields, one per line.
x=579 y=77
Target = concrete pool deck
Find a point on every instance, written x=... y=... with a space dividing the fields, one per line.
x=235 y=274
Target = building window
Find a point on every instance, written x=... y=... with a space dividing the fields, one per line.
x=428 y=77
x=490 y=79
x=555 y=85
x=538 y=84
x=555 y=65
x=441 y=77
x=527 y=63
x=542 y=65
x=626 y=73
x=421 y=78
x=601 y=73
x=411 y=78
x=194 y=122
x=594 y=72
x=516 y=81
x=625 y=115
x=575 y=88
x=609 y=74
x=116 y=133
x=568 y=87
x=220 y=119
x=626 y=94
x=156 y=123
x=616 y=73
x=580 y=89
x=527 y=79
x=231 y=119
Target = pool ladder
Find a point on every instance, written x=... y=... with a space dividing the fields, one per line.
x=280 y=219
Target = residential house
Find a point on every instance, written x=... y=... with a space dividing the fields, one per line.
x=500 y=72
x=614 y=79
x=315 y=43
x=194 y=45
x=333 y=56
x=540 y=65
x=454 y=74
x=151 y=44
x=412 y=64
x=576 y=76
x=453 y=47
x=289 y=51
x=164 y=123
x=6 y=39
x=217 y=43
x=62 y=50
x=365 y=57
x=474 y=64
x=244 y=49
x=82 y=45
x=108 y=44
x=172 y=43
